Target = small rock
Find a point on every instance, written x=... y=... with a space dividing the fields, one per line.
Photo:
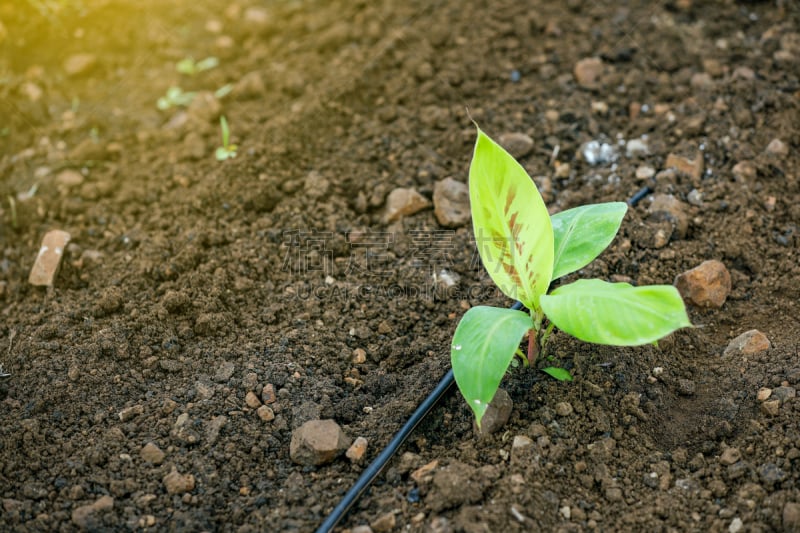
x=359 y=356
x=451 y=203
x=363 y=528
x=645 y=173
x=48 y=261
x=667 y=207
x=660 y=238
x=736 y=525
x=78 y=64
x=252 y=400
x=497 y=413
x=517 y=144
x=69 y=178
x=777 y=148
x=744 y=73
x=268 y=394
x=564 y=409
x=265 y=413
x=691 y=167
x=695 y=198
x=317 y=442
x=213 y=427
x=424 y=474
x=152 y=453
x=706 y=285
x=129 y=412
x=177 y=483
x=599 y=107
x=384 y=523
x=745 y=171
x=638 y=148
x=598 y=153
x=83 y=516
x=403 y=202
x=224 y=372
x=730 y=456
x=357 y=450
x=771 y=407
x=587 y=72
x=791 y=516
x=763 y=394
x=748 y=343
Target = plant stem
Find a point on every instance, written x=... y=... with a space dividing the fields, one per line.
x=533 y=347
x=546 y=337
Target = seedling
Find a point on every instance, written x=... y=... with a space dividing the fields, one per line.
x=227 y=150
x=223 y=91
x=175 y=97
x=190 y=67
x=524 y=249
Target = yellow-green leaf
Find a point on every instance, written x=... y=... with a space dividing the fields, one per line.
x=512 y=227
x=483 y=347
x=617 y=314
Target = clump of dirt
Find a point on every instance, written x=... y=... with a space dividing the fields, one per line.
x=195 y=292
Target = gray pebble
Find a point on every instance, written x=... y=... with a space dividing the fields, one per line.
x=224 y=372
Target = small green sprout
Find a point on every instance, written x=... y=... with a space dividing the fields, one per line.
x=223 y=91
x=524 y=249
x=227 y=150
x=190 y=67
x=175 y=97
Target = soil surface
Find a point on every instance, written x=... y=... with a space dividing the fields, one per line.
x=191 y=282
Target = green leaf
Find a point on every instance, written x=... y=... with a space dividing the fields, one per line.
x=582 y=233
x=511 y=223
x=483 y=346
x=617 y=314
x=561 y=374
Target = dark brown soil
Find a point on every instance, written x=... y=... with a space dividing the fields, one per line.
x=190 y=282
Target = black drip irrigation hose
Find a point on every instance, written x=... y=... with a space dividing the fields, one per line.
x=376 y=466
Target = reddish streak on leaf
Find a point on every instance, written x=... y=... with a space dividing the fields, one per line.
x=512 y=193
x=513 y=274
x=512 y=225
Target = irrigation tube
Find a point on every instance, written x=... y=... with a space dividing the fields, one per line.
x=376 y=466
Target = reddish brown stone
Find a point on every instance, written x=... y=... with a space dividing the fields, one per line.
x=706 y=285
x=748 y=343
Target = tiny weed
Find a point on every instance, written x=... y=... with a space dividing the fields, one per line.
x=175 y=97
x=524 y=249
x=223 y=91
x=190 y=67
x=227 y=150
